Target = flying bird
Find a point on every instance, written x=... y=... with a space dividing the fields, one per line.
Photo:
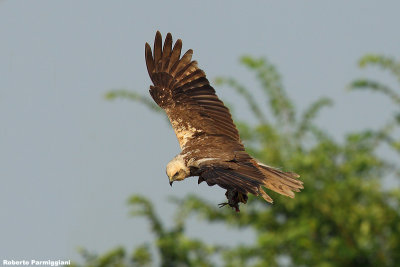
x=210 y=143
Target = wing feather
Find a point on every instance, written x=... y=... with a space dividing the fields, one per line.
x=175 y=54
x=246 y=178
x=157 y=51
x=199 y=85
x=204 y=89
x=182 y=63
x=182 y=89
x=250 y=177
x=183 y=76
x=149 y=60
x=194 y=76
x=166 y=52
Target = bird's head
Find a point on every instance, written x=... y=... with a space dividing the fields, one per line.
x=177 y=169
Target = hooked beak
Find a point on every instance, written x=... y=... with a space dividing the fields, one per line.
x=170 y=183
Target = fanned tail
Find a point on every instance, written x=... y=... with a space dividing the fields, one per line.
x=284 y=183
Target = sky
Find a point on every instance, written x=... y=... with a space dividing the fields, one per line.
x=70 y=159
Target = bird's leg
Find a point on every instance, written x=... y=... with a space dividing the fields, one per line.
x=229 y=195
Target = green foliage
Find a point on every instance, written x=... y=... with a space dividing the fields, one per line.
x=142 y=256
x=240 y=89
x=343 y=217
x=115 y=257
x=309 y=115
x=386 y=63
x=174 y=247
x=268 y=76
x=393 y=66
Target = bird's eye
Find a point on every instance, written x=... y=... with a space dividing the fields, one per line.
x=176 y=174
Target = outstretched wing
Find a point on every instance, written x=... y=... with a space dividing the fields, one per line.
x=184 y=92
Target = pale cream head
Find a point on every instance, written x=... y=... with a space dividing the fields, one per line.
x=177 y=170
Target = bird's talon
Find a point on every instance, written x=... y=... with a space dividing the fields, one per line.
x=220 y=205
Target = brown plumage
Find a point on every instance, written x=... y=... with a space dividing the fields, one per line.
x=210 y=142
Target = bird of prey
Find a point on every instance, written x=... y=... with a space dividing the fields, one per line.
x=210 y=143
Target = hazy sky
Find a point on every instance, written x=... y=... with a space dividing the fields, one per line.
x=69 y=159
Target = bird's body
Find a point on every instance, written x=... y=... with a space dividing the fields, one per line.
x=210 y=143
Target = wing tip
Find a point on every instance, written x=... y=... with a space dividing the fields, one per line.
x=189 y=52
x=147 y=49
x=149 y=59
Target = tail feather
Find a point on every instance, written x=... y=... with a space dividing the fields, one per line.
x=284 y=183
x=265 y=196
